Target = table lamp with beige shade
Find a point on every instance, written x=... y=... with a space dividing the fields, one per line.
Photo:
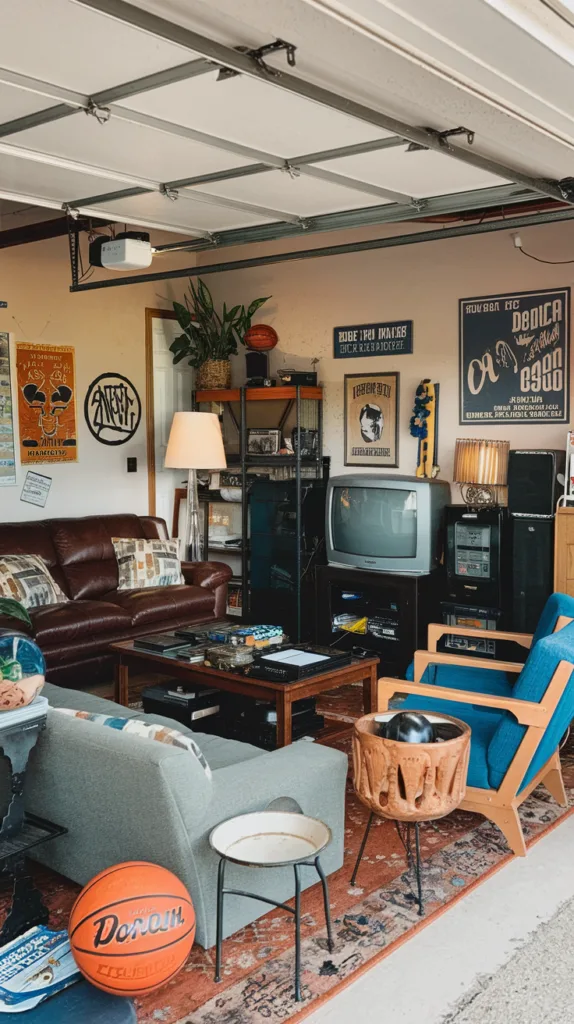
x=481 y=468
x=195 y=442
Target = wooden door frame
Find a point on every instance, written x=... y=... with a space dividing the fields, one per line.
x=150 y=315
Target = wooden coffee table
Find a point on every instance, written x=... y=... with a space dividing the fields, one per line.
x=361 y=670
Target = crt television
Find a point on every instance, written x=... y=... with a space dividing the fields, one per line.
x=385 y=523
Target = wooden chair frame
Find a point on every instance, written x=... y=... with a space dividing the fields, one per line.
x=500 y=805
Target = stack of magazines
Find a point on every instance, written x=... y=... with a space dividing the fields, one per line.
x=34 y=967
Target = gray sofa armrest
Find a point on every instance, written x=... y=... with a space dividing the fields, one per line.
x=121 y=798
x=298 y=771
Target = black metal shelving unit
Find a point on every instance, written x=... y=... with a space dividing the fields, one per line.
x=292 y=399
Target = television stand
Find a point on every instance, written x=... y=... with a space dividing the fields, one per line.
x=397 y=610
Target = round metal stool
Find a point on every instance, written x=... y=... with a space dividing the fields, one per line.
x=271 y=839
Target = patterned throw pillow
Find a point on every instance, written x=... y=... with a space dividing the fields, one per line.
x=145 y=730
x=28 y=580
x=147 y=563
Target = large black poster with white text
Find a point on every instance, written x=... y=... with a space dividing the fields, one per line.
x=515 y=357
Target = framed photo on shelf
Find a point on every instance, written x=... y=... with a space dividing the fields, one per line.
x=263 y=441
x=371 y=419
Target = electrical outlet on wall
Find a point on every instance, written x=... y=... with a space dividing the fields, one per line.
x=132 y=464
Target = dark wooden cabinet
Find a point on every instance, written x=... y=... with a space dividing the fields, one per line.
x=397 y=610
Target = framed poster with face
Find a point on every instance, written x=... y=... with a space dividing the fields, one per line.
x=371 y=419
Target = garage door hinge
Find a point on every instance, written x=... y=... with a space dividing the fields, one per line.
x=169 y=193
x=101 y=114
x=292 y=171
x=442 y=137
x=566 y=186
x=258 y=56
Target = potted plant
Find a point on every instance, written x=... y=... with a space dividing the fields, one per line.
x=9 y=606
x=210 y=339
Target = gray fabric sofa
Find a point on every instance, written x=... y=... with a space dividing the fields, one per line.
x=126 y=798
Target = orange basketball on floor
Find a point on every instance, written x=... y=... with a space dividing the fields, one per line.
x=261 y=337
x=132 y=928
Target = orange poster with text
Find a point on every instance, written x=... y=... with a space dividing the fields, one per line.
x=46 y=403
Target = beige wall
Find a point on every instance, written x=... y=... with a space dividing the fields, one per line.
x=107 y=330
x=422 y=282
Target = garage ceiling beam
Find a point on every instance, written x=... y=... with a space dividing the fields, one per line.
x=370 y=216
x=138 y=186
x=244 y=64
x=73 y=101
x=265 y=161
x=434 y=235
x=180 y=73
x=247 y=170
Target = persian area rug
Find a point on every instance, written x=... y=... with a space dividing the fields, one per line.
x=369 y=921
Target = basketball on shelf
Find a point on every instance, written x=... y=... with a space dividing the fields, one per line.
x=261 y=337
x=132 y=928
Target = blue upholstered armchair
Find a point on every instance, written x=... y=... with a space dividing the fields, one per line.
x=517 y=714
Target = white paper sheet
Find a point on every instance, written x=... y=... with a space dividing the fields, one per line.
x=294 y=657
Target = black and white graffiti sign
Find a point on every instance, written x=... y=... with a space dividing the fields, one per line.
x=515 y=357
x=112 y=409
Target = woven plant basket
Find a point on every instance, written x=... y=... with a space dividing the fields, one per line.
x=214 y=373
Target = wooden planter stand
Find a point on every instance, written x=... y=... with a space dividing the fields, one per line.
x=408 y=782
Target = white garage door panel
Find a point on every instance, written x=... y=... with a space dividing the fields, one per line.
x=33 y=179
x=125 y=147
x=253 y=113
x=422 y=173
x=182 y=213
x=301 y=195
x=67 y=44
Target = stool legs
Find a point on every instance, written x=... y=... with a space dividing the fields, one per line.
x=297 y=933
x=296 y=911
x=323 y=878
x=363 y=844
x=219 y=928
x=407 y=843
x=418 y=868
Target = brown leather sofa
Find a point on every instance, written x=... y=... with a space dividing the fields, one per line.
x=75 y=636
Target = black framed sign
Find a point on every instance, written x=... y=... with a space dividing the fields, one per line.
x=394 y=338
x=514 y=352
x=371 y=419
x=112 y=409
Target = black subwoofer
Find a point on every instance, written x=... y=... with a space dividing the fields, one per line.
x=532 y=570
x=535 y=481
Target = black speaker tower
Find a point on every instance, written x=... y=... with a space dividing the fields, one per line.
x=535 y=482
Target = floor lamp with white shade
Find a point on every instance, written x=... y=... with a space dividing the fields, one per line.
x=195 y=442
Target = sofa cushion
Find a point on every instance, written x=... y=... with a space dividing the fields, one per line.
x=218 y=752
x=78 y=621
x=156 y=604
x=32 y=539
x=147 y=563
x=145 y=730
x=85 y=551
x=62 y=697
x=28 y=580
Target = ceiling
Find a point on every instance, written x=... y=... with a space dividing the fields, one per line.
x=120 y=111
